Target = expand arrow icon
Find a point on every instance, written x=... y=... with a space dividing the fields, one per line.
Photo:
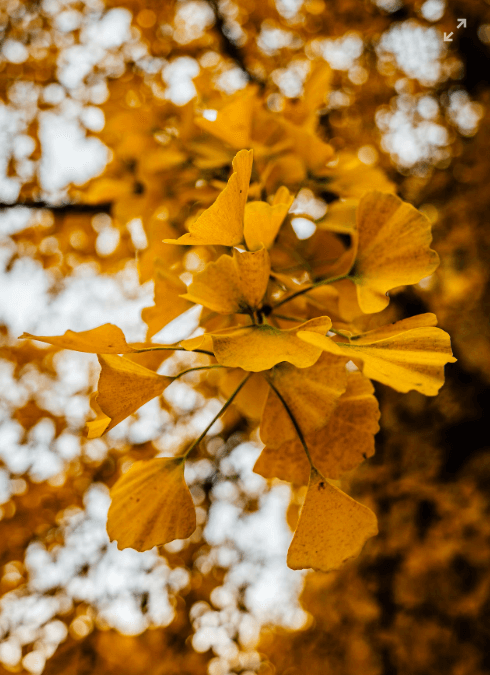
x=448 y=38
x=462 y=23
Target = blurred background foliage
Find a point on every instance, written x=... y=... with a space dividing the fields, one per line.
x=114 y=88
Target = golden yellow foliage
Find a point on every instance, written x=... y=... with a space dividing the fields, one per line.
x=151 y=505
x=332 y=528
x=409 y=354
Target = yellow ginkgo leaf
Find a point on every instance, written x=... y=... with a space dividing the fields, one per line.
x=257 y=348
x=392 y=248
x=233 y=121
x=309 y=147
x=340 y=217
x=262 y=221
x=311 y=395
x=251 y=399
x=232 y=284
x=332 y=528
x=344 y=442
x=222 y=223
x=151 y=505
x=348 y=177
x=96 y=427
x=124 y=386
x=408 y=354
x=169 y=303
x=106 y=339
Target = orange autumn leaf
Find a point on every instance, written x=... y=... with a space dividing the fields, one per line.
x=332 y=528
x=151 y=505
x=262 y=221
x=348 y=177
x=251 y=399
x=409 y=354
x=222 y=223
x=233 y=121
x=106 y=339
x=257 y=348
x=340 y=445
x=311 y=395
x=232 y=284
x=124 y=386
x=169 y=303
x=392 y=248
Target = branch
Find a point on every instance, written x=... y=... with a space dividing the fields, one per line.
x=104 y=207
x=229 y=47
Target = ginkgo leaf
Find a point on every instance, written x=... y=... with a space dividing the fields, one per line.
x=169 y=303
x=350 y=178
x=262 y=221
x=232 y=284
x=311 y=395
x=124 y=386
x=309 y=147
x=340 y=217
x=106 y=339
x=222 y=223
x=96 y=427
x=257 y=348
x=392 y=248
x=251 y=399
x=408 y=354
x=233 y=121
x=332 y=528
x=340 y=445
x=151 y=505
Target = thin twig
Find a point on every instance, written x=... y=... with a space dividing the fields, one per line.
x=218 y=415
x=293 y=420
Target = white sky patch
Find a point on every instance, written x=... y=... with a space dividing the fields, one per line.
x=14 y=51
x=342 y=53
x=410 y=134
x=271 y=40
x=433 y=10
x=192 y=19
x=68 y=155
x=303 y=228
x=464 y=113
x=178 y=77
x=416 y=49
x=231 y=80
x=291 y=80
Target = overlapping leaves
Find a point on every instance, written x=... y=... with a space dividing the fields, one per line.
x=269 y=303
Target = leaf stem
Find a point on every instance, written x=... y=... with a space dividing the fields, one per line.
x=293 y=420
x=174 y=349
x=217 y=416
x=324 y=282
x=190 y=370
x=289 y=318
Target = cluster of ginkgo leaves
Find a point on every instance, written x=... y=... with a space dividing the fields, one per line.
x=280 y=327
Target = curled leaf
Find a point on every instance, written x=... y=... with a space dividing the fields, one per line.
x=409 y=354
x=392 y=249
x=169 y=303
x=332 y=528
x=232 y=284
x=262 y=221
x=151 y=505
x=222 y=223
x=124 y=386
x=106 y=339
